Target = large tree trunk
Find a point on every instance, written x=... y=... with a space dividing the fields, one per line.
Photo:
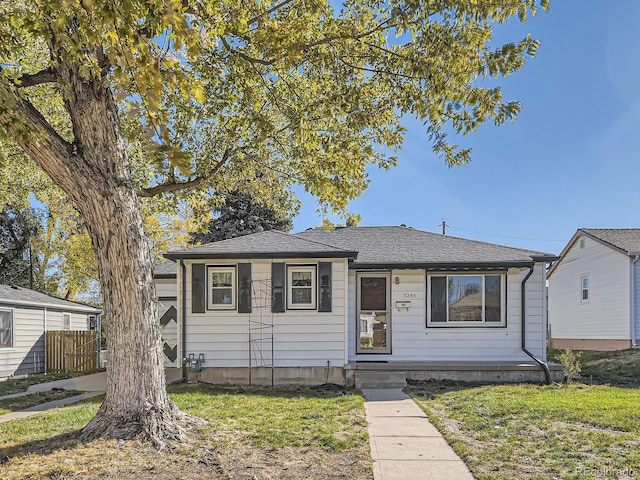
x=95 y=173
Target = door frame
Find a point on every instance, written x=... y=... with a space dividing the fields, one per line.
x=360 y=275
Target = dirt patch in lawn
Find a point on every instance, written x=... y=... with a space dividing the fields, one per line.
x=226 y=460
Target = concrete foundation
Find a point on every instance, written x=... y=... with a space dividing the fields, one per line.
x=477 y=372
x=373 y=375
x=269 y=376
x=602 y=344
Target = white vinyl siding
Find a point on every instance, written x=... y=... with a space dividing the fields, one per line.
x=605 y=316
x=77 y=321
x=166 y=287
x=301 y=337
x=412 y=341
x=27 y=354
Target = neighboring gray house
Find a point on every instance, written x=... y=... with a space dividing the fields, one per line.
x=594 y=290
x=25 y=315
x=354 y=303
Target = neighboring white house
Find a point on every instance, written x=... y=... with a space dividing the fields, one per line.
x=25 y=315
x=594 y=291
x=335 y=306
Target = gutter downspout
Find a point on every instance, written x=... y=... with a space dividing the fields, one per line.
x=183 y=297
x=632 y=317
x=523 y=335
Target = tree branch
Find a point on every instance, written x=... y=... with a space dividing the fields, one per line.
x=174 y=186
x=171 y=187
x=244 y=55
x=48 y=75
x=276 y=7
x=37 y=137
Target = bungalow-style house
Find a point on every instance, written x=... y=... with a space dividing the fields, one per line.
x=594 y=291
x=25 y=316
x=358 y=305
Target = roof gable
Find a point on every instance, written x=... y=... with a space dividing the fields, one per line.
x=622 y=240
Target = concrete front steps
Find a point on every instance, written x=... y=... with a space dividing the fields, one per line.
x=374 y=379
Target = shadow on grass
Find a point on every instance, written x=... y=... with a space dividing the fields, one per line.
x=43 y=446
x=47 y=444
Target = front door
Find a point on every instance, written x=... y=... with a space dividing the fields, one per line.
x=373 y=313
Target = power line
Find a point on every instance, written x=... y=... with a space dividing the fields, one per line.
x=505 y=236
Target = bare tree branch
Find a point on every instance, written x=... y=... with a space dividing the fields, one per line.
x=170 y=187
x=174 y=186
x=276 y=7
x=244 y=55
x=48 y=75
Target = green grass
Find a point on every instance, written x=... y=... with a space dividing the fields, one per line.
x=276 y=418
x=8 y=405
x=534 y=432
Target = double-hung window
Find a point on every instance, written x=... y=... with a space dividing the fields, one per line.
x=6 y=328
x=584 y=288
x=66 y=321
x=301 y=283
x=222 y=288
x=466 y=300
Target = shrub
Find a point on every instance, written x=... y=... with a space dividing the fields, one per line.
x=570 y=359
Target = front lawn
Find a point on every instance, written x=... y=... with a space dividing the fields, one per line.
x=538 y=432
x=252 y=432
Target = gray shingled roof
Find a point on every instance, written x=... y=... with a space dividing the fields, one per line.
x=397 y=245
x=366 y=246
x=627 y=239
x=165 y=270
x=272 y=243
x=23 y=296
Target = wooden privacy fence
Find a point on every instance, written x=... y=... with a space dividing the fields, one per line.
x=72 y=351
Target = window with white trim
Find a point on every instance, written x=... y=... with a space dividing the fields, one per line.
x=466 y=300
x=584 y=288
x=66 y=321
x=6 y=328
x=222 y=288
x=301 y=281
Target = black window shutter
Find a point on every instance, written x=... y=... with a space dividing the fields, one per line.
x=244 y=288
x=198 y=288
x=277 y=286
x=324 y=290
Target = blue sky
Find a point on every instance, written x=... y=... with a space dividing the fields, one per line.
x=570 y=160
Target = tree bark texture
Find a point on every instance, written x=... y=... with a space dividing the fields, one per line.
x=94 y=172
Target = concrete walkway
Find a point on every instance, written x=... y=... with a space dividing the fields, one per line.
x=93 y=385
x=404 y=444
